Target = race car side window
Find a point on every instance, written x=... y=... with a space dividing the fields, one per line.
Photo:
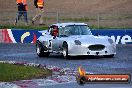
x=60 y=31
x=50 y=29
x=63 y=32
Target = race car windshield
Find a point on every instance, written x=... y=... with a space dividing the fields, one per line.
x=75 y=30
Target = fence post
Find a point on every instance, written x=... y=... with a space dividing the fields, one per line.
x=57 y=17
x=98 y=19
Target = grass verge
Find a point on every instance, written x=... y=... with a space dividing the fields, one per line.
x=9 y=72
x=23 y=27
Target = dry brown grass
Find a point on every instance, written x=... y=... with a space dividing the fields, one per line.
x=77 y=6
x=71 y=8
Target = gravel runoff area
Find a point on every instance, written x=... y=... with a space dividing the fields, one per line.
x=120 y=64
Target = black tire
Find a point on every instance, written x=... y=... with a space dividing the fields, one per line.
x=109 y=56
x=40 y=50
x=65 y=51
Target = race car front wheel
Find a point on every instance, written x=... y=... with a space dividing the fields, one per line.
x=40 y=50
x=65 y=51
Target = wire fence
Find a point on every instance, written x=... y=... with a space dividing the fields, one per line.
x=95 y=20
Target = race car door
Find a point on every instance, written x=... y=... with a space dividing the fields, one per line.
x=54 y=41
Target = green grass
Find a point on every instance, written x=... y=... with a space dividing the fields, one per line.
x=104 y=27
x=9 y=72
x=46 y=27
x=84 y=19
x=23 y=27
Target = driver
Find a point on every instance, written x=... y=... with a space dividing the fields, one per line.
x=55 y=31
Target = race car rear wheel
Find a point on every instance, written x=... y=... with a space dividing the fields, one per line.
x=40 y=50
x=65 y=51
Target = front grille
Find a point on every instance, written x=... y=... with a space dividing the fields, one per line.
x=96 y=47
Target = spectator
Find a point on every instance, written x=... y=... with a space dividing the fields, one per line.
x=39 y=4
x=22 y=10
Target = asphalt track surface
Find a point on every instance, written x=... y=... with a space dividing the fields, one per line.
x=120 y=64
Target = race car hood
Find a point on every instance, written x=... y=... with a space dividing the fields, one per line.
x=89 y=39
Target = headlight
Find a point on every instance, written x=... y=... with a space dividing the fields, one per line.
x=110 y=41
x=77 y=42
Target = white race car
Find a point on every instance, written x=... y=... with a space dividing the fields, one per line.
x=73 y=39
